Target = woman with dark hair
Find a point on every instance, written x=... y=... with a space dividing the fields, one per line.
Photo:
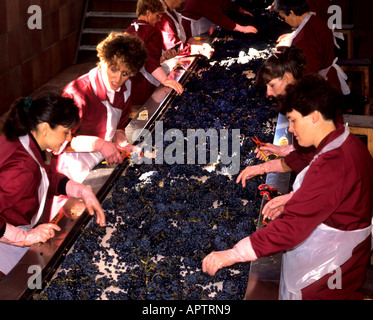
x=33 y=126
x=325 y=228
x=313 y=36
x=277 y=72
x=152 y=75
x=285 y=66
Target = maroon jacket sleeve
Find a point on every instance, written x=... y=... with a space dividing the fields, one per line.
x=211 y=10
x=153 y=45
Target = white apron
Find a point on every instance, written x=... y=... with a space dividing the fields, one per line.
x=9 y=254
x=199 y=26
x=179 y=27
x=325 y=250
x=342 y=77
x=77 y=165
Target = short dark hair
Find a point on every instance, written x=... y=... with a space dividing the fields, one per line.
x=311 y=93
x=299 y=7
x=25 y=114
x=287 y=59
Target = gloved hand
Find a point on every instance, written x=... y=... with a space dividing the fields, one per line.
x=252 y=171
x=270 y=149
x=274 y=207
x=109 y=151
x=122 y=143
x=241 y=252
x=217 y=260
x=78 y=190
x=20 y=238
x=245 y=29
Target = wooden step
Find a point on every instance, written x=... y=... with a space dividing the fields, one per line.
x=96 y=14
x=100 y=30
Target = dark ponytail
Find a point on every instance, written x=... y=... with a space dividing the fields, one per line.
x=26 y=114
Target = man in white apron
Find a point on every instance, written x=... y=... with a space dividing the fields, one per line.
x=325 y=228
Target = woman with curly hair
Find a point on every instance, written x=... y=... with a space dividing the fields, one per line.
x=149 y=13
x=103 y=96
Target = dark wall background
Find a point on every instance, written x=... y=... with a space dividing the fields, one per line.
x=30 y=58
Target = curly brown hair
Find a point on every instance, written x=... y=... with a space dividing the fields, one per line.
x=152 y=5
x=122 y=48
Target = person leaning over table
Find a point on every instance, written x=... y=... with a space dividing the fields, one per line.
x=327 y=224
x=103 y=97
x=199 y=16
x=173 y=33
x=151 y=75
x=313 y=36
x=31 y=127
x=279 y=70
x=285 y=66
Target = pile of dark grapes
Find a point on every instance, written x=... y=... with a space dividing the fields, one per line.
x=162 y=220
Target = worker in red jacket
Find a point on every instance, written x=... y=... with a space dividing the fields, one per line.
x=173 y=33
x=200 y=16
x=103 y=97
x=32 y=127
x=313 y=36
x=325 y=228
x=149 y=13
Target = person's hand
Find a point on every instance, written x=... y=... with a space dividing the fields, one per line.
x=217 y=260
x=203 y=49
x=269 y=149
x=122 y=144
x=110 y=152
x=80 y=191
x=20 y=238
x=245 y=29
x=284 y=40
x=275 y=207
x=243 y=11
x=250 y=172
x=174 y=85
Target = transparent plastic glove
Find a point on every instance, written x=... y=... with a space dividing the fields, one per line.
x=245 y=29
x=219 y=259
x=270 y=149
x=252 y=171
x=21 y=238
x=284 y=40
x=80 y=191
x=241 y=252
x=109 y=151
x=274 y=207
x=122 y=144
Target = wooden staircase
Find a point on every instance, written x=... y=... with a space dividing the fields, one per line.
x=99 y=18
